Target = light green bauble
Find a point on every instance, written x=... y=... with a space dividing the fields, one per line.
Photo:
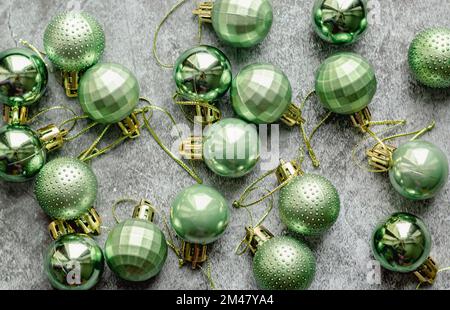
x=309 y=204
x=261 y=94
x=231 y=147
x=429 y=57
x=199 y=214
x=66 y=188
x=74 y=262
x=345 y=83
x=108 y=93
x=419 y=170
x=136 y=250
x=284 y=263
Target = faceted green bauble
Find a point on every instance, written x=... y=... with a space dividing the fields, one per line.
x=74 y=41
x=242 y=23
x=66 y=188
x=108 y=93
x=401 y=243
x=429 y=57
x=203 y=74
x=22 y=154
x=340 y=21
x=261 y=94
x=309 y=204
x=231 y=147
x=136 y=250
x=345 y=83
x=199 y=214
x=284 y=263
x=74 y=262
x=419 y=170
x=23 y=77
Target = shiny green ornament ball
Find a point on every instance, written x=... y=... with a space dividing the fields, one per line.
x=419 y=170
x=202 y=74
x=136 y=250
x=23 y=77
x=108 y=93
x=345 y=83
x=231 y=147
x=309 y=204
x=199 y=214
x=74 y=262
x=66 y=188
x=261 y=94
x=429 y=57
x=74 y=41
x=242 y=23
x=340 y=21
x=284 y=263
x=401 y=243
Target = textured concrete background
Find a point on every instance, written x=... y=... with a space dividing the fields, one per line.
x=142 y=169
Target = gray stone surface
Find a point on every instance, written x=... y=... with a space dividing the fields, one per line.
x=141 y=169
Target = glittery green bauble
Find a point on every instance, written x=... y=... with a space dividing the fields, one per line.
x=242 y=23
x=284 y=263
x=199 y=214
x=74 y=41
x=108 y=93
x=74 y=262
x=401 y=243
x=66 y=188
x=429 y=57
x=261 y=94
x=309 y=204
x=203 y=74
x=419 y=170
x=23 y=77
x=345 y=83
x=136 y=250
x=231 y=147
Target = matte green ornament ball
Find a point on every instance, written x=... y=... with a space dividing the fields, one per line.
x=108 y=93
x=66 y=188
x=345 y=83
x=284 y=263
x=429 y=57
x=136 y=250
x=419 y=170
x=401 y=243
x=74 y=262
x=231 y=147
x=309 y=204
x=261 y=94
x=199 y=214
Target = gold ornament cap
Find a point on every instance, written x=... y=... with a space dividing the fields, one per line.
x=293 y=116
x=52 y=137
x=192 y=148
x=427 y=272
x=59 y=228
x=255 y=236
x=90 y=222
x=362 y=119
x=194 y=253
x=144 y=211
x=204 y=11
x=287 y=170
x=15 y=115
x=130 y=126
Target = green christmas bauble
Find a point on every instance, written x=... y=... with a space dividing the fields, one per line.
x=108 y=93
x=231 y=147
x=74 y=262
x=74 y=41
x=284 y=263
x=66 y=188
x=242 y=23
x=202 y=74
x=261 y=94
x=429 y=57
x=401 y=243
x=22 y=154
x=199 y=214
x=309 y=204
x=345 y=83
x=340 y=21
x=419 y=170
x=23 y=77
x=136 y=250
